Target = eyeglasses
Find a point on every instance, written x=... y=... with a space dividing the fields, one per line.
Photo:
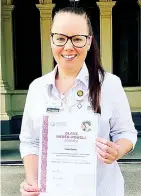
x=78 y=41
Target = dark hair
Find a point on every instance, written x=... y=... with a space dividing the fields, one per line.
x=96 y=72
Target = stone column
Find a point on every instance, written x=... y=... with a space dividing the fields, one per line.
x=6 y=67
x=8 y=44
x=45 y=26
x=3 y=84
x=106 y=33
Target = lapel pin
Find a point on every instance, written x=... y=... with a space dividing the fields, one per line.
x=80 y=93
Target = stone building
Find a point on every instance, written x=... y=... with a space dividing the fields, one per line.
x=26 y=53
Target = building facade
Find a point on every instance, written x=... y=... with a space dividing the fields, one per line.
x=26 y=52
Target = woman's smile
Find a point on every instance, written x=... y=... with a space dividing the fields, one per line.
x=69 y=57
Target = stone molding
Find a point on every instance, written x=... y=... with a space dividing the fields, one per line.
x=104 y=0
x=106 y=7
x=7 y=2
x=7 y=11
x=4 y=86
x=10 y=2
x=45 y=10
x=45 y=1
x=139 y=2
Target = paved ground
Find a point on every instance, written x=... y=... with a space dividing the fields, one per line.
x=12 y=176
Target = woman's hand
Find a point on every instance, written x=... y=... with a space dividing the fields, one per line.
x=107 y=150
x=27 y=189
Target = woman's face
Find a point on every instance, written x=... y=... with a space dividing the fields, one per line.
x=67 y=56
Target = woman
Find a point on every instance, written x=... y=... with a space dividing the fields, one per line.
x=71 y=39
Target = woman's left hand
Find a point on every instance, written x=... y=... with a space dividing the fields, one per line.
x=107 y=150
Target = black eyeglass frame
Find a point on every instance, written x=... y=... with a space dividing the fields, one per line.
x=69 y=37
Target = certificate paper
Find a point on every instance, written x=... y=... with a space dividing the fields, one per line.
x=67 y=160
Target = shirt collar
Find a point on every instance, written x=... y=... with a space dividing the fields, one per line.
x=83 y=76
x=51 y=77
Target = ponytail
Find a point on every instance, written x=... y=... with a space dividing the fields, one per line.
x=96 y=76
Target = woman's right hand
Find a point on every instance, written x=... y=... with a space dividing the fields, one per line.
x=27 y=189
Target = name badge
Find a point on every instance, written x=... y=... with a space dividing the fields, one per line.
x=53 y=110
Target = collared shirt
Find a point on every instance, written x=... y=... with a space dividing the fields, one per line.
x=115 y=120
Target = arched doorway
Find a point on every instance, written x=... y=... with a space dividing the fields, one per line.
x=26 y=43
x=126 y=33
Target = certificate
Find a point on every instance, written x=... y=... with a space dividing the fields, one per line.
x=67 y=158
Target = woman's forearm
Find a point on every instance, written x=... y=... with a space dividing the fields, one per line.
x=125 y=146
x=31 y=168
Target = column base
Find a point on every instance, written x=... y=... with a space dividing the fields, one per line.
x=5 y=113
x=4 y=86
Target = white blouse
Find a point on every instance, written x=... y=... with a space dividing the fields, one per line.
x=115 y=121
